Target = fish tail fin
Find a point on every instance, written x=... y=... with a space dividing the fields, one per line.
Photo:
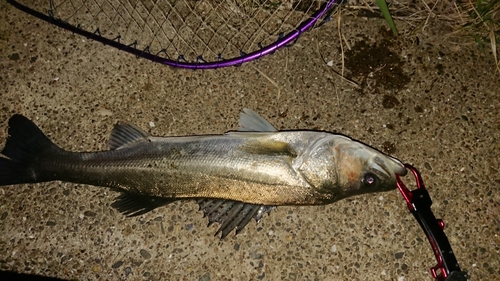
x=25 y=145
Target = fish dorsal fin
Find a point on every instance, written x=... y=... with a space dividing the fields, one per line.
x=124 y=133
x=253 y=122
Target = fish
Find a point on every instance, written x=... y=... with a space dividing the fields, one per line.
x=234 y=177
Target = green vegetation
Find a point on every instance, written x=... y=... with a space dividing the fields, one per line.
x=382 y=4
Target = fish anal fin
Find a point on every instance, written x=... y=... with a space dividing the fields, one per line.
x=132 y=205
x=231 y=214
x=124 y=133
x=253 y=122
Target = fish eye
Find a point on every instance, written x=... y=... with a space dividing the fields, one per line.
x=370 y=179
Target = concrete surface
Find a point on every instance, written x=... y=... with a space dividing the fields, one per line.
x=432 y=101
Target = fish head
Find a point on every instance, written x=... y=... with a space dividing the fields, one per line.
x=362 y=169
x=337 y=167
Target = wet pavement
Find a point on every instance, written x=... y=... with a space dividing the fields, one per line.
x=426 y=99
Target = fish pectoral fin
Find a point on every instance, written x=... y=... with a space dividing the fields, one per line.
x=132 y=205
x=124 y=133
x=268 y=147
x=253 y=122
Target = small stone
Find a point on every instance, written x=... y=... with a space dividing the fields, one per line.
x=428 y=166
x=14 y=56
x=145 y=254
x=205 y=277
x=89 y=214
x=117 y=264
x=334 y=249
x=399 y=255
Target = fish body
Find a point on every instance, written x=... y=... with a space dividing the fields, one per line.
x=256 y=166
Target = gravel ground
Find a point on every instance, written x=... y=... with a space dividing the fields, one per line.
x=421 y=98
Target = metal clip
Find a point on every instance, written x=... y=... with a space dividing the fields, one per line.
x=419 y=203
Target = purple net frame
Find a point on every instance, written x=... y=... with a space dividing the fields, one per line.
x=283 y=41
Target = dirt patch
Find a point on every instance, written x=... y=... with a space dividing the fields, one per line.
x=376 y=67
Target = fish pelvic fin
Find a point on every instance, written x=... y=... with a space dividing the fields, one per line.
x=253 y=122
x=132 y=205
x=25 y=145
x=124 y=134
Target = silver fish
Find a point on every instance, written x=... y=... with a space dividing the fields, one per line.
x=235 y=177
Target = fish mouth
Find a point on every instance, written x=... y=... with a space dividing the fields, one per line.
x=398 y=167
x=390 y=166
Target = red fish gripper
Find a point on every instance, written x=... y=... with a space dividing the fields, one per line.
x=419 y=203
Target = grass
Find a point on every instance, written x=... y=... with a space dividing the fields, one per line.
x=382 y=4
x=479 y=19
x=484 y=23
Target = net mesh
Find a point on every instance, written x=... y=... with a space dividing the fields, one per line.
x=188 y=30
